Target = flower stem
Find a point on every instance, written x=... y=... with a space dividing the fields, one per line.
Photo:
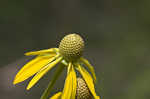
x=51 y=83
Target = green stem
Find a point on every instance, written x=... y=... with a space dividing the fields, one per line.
x=51 y=83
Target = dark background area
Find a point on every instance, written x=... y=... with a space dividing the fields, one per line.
x=117 y=39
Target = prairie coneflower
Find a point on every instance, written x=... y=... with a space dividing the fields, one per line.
x=69 y=54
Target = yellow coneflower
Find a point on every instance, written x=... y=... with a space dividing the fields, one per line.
x=69 y=54
x=82 y=91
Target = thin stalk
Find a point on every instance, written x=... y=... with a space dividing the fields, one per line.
x=52 y=82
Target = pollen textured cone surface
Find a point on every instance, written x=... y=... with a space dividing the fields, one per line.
x=82 y=91
x=71 y=47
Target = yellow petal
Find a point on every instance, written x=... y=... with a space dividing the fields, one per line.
x=42 y=72
x=89 y=81
x=31 y=68
x=68 y=85
x=90 y=67
x=56 y=96
x=74 y=79
x=52 y=50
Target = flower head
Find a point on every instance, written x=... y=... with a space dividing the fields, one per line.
x=69 y=55
x=82 y=91
x=71 y=47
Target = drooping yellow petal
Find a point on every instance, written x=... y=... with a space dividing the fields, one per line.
x=74 y=83
x=56 y=96
x=90 y=67
x=31 y=68
x=52 y=50
x=68 y=84
x=42 y=72
x=88 y=79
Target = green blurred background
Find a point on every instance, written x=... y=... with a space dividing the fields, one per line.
x=117 y=39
